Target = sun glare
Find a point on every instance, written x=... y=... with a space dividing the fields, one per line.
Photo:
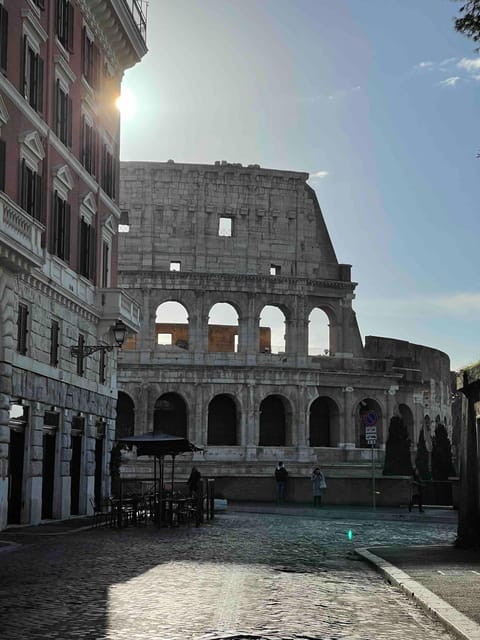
x=126 y=104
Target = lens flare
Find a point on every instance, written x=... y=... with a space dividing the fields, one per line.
x=126 y=103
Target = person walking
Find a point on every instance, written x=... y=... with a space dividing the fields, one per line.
x=319 y=485
x=416 y=486
x=281 y=475
x=193 y=481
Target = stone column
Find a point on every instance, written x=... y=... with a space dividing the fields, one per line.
x=34 y=461
x=346 y=421
x=146 y=338
x=5 y=390
x=252 y=427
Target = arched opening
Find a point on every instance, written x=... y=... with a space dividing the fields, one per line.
x=125 y=422
x=223 y=328
x=406 y=416
x=222 y=421
x=272 y=328
x=170 y=415
x=171 y=325
x=368 y=414
x=318 y=333
x=273 y=422
x=323 y=423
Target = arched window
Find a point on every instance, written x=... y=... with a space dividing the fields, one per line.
x=223 y=328
x=273 y=422
x=318 y=333
x=222 y=421
x=170 y=415
x=272 y=330
x=125 y=423
x=323 y=423
x=171 y=325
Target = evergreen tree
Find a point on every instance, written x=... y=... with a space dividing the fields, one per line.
x=442 y=465
x=468 y=22
x=421 y=460
x=397 y=451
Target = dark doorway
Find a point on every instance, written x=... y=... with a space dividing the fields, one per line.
x=170 y=415
x=16 y=454
x=320 y=423
x=272 y=422
x=222 y=421
x=48 y=473
x=98 y=470
x=75 y=474
x=125 y=424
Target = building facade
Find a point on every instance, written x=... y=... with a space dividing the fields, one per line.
x=241 y=370
x=62 y=62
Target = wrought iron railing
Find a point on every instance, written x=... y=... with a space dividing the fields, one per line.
x=138 y=9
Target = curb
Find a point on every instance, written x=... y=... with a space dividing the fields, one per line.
x=454 y=621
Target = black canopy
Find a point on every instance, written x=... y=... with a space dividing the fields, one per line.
x=159 y=444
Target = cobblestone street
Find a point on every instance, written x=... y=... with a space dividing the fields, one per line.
x=246 y=575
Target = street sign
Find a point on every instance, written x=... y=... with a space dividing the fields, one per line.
x=371 y=433
x=370 y=418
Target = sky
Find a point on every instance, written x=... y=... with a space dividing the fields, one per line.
x=378 y=100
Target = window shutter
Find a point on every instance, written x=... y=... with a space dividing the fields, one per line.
x=54 y=226
x=83 y=141
x=23 y=78
x=92 y=256
x=69 y=121
x=57 y=108
x=3 y=38
x=66 y=240
x=38 y=198
x=39 y=104
x=84 y=52
x=70 y=18
x=3 y=148
x=23 y=184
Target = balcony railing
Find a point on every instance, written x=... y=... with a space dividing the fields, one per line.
x=138 y=9
x=20 y=237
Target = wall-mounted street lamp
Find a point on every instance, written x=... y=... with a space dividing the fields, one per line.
x=119 y=331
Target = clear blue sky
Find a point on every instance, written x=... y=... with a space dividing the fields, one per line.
x=377 y=99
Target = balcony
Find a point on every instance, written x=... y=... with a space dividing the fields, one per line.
x=20 y=238
x=115 y=304
x=124 y=24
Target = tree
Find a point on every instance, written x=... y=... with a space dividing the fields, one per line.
x=468 y=22
x=442 y=465
x=397 y=451
x=421 y=460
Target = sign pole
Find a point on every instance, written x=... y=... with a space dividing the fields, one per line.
x=373 y=478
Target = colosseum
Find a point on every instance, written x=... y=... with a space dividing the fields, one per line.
x=249 y=345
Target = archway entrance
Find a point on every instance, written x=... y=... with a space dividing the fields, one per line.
x=170 y=415
x=222 y=421
x=272 y=422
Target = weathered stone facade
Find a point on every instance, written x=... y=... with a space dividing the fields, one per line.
x=251 y=237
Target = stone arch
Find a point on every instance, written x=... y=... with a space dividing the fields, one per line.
x=320 y=341
x=222 y=421
x=125 y=421
x=272 y=323
x=275 y=421
x=170 y=415
x=172 y=324
x=324 y=422
x=406 y=415
x=223 y=328
x=361 y=412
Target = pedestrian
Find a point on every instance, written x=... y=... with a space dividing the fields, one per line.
x=416 y=488
x=281 y=475
x=319 y=485
x=193 y=481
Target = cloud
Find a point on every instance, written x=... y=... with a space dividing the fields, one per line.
x=424 y=65
x=449 y=82
x=319 y=175
x=477 y=78
x=469 y=64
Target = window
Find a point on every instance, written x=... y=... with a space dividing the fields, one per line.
x=63 y=115
x=124 y=224
x=80 y=359
x=175 y=266
x=225 y=227
x=30 y=191
x=3 y=38
x=54 y=335
x=89 y=147
x=275 y=270
x=32 y=76
x=105 y=264
x=86 y=266
x=64 y=21
x=3 y=166
x=109 y=172
x=22 y=328
x=90 y=59
x=102 y=367
x=60 y=235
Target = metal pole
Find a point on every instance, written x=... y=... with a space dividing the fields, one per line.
x=373 y=478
